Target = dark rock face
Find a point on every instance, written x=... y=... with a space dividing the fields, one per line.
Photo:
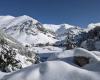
x=92 y=37
x=81 y=61
x=94 y=33
x=90 y=44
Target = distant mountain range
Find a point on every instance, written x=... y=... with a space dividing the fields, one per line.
x=29 y=31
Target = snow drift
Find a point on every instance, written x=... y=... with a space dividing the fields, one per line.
x=53 y=70
x=60 y=70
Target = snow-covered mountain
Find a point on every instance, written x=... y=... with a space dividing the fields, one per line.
x=55 y=44
x=13 y=55
x=25 y=29
x=29 y=31
x=92 y=25
x=64 y=32
x=59 y=30
x=93 y=40
x=54 y=28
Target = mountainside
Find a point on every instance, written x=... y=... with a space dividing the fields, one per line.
x=48 y=51
x=54 y=28
x=26 y=30
x=13 y=55
x=31 y=32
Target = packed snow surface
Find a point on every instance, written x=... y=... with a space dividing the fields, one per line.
x=58 y=69
x=53 y=70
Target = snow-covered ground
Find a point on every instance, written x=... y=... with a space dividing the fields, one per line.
x=53 y=70
x=45 y=52
x=58 y=69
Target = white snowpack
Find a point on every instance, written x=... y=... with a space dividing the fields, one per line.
x=59 y=69
x=88 y=54
x=92 y=25
x=53 y=70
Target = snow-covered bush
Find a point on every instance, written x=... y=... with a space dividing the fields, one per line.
x=8 y=62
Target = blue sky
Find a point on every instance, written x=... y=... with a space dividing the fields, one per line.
x=75 y=12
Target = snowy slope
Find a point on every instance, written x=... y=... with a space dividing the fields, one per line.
x=54 y=27
x=5 y=20
x=25 y=29
x=59 y=69
x=30 y=31
x=51 y=27
x=8 y=45
x=91 y=26
x=61 y=31
x=9 y=21
x=53 y=70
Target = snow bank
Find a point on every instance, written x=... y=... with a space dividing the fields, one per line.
x=80 y=52
x=53 y=70
x=2 y=74
x=68 y=55
x=58 y=69
x=61 y=55
x=46 y=51
x=93 y=67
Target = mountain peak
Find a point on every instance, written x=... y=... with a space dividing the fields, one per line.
x=25 y=18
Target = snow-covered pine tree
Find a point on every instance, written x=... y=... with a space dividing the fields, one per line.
x=8 y=62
